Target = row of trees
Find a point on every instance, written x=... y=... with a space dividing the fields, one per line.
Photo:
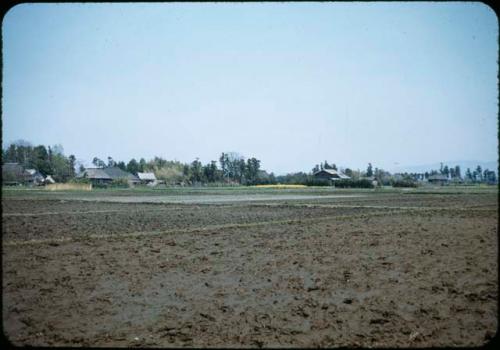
x=47 y=160
x=453 y=172
x=323 y=166
x=231 y=168
x=478 y=175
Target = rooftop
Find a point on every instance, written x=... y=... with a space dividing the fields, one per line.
x=146 y=176
x=334 y=173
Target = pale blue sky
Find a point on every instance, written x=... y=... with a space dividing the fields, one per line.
x=292 y=84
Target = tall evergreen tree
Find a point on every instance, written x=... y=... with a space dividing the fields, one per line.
x=142 y=165
x=446 y=171
x=41 y=160
x=468 y=174
x=121 y=165
x=196 y=173
x=72 y=162
x=11 y=154
x=479 y=172
x=452 y=172
x=223 y=164
x=98 y=162
x=133 y=166
x=369 y=170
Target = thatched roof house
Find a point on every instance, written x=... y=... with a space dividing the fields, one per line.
x=107 y=175
x=13 y=174
x=330 y=174
x=438 y=179
x=16 y=174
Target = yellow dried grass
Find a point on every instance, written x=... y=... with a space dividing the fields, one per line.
x=69 y=186
x=280 y=186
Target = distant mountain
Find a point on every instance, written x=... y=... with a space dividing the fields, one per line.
x=464 y=164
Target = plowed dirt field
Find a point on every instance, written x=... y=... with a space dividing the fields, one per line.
x=300 y=270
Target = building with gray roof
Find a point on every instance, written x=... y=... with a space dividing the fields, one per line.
x=103 y=176
x=330 y=174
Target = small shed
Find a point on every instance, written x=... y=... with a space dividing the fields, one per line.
x=49 y=180
x=146 y=178
x=34 y=177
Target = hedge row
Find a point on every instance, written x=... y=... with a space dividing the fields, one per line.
x=404 y=183
x=347 y=183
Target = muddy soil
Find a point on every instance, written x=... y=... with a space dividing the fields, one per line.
x=251 y=275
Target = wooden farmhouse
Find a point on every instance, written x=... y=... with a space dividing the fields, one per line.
x=330 y=174
x=101 y=176
x=15 y=174
x=438 y=179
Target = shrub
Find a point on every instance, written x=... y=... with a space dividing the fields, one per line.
x=317 y=182
x=349 y=183
x=119 y=183
x=403 y=183
x=80 y=180
x=100 y=185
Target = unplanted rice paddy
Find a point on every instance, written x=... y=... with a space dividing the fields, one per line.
x=250 y=267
